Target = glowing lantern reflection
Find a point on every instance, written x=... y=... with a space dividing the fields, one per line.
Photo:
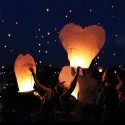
x=23 y=75
x=82 y=45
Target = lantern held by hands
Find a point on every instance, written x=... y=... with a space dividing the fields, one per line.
x=23 y=75
x=67 y=75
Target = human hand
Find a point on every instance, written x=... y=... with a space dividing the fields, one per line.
x=78 y=68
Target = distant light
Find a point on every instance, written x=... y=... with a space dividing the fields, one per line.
x=119 y=66
x=48 y=42
x=114 y=54
x=47 y=9
x=98 y=57
x=70 y=11
x=48 y=33
x=90 y=10
x=66 y=16
x=9 y=34
x=40 y=61
x=42 y=36
x=113 y=16
x=116 y=35
x=4 y=87
x=16 y=22
x=5 y=46
x=100 y=69
x=2 y=21
x=38 y=29
x=115 y=71
x=46 y=51
x=50 y=65
x=96 y=63
x=36 y=36
x=39 y=44
x=112 y=6
x=39 y=51
x=2 y=67
x=11 y=50
x=55 y=39
x=99 y=23
x=55 y=28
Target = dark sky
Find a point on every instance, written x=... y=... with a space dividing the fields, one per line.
x=33 y=26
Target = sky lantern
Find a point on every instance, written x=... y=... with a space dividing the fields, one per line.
x=100 y=69
x=67 y=75
x=82 y=45
x=23 y=75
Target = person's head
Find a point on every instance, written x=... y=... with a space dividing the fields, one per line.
x=89 y=71
x=61 y=87
x=109 y=76
x=120 y=76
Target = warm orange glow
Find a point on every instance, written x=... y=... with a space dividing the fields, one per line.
x=67 y=76
x=76 y=58
x=100 y=69
x=82 y=45
x=23 y=75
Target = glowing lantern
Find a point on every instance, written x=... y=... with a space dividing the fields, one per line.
x=100 y=69
x=23 y=75
x=82 y=45
x=67 y=76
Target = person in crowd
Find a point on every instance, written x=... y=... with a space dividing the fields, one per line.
x=61 y=94
x=88 y=90
x=110 y=98
x=121 y=94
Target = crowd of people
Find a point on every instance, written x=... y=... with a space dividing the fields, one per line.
x=100 y=98
x=94 y=102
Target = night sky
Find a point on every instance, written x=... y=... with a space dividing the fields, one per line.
x=33 y=26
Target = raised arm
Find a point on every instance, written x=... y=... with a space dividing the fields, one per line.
x=47 y=90
x=73 y=84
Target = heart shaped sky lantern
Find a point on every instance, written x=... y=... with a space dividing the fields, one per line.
x=23 y=75
x=82 y=45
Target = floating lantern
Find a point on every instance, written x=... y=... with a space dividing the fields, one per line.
x=100 y=69
x=82 y=45
x=23 y=75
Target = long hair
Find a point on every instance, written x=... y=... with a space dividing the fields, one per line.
x=111 y=77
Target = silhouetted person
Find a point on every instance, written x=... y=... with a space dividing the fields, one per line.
x=60 y=93
x=111 y=100
x=121 y=93
x=88 y=90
